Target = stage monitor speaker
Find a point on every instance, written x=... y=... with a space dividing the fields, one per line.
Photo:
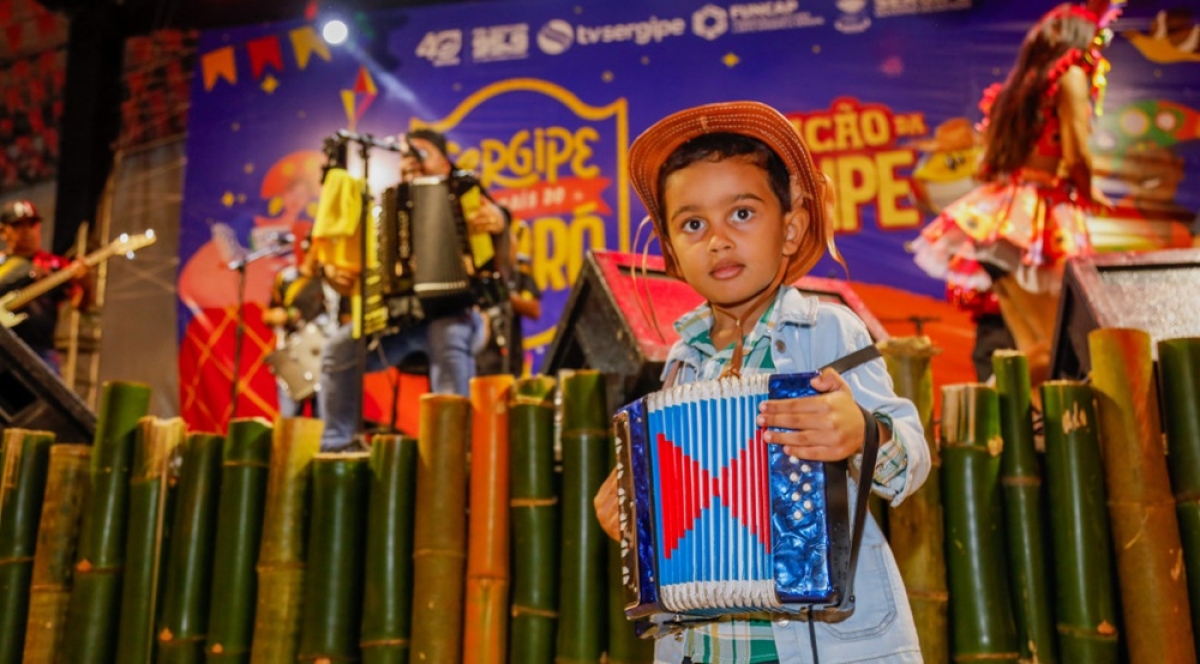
x=1157 y=291
x=619 y=320
x=33 y=397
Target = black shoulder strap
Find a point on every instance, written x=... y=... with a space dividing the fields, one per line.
x=848 y=362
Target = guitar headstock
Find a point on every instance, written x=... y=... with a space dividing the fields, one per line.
x=127 y=244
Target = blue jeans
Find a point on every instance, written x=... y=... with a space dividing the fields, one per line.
x=447 y=341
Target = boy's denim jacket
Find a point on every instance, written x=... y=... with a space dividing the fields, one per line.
x=809 y=334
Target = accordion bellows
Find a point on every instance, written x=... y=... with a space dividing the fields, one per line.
x=716 y=521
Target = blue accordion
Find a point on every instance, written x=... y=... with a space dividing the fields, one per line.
x=715 y=521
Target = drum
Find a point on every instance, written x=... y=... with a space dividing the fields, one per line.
x=297 y=366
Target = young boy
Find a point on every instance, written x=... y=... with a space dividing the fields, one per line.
x=742 y=213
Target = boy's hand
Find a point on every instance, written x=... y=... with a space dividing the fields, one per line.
x=826 y=427
x=605 y=503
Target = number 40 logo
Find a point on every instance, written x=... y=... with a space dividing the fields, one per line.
x=442 y=48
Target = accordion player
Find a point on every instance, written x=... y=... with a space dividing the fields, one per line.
x=425 y=258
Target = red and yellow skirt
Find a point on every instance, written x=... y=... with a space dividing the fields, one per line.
x=1027 y=227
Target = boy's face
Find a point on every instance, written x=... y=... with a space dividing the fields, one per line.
x=728 y=229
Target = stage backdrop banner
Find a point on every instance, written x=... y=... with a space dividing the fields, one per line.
x=542 y=99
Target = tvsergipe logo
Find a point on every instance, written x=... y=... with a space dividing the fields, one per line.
x=555 y=37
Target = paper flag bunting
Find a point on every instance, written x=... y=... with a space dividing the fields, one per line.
x=264 y=51
x=218 y=64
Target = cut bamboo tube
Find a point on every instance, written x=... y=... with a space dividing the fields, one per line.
x=583 y=600
x=22 y=489
x=245 y=463
x=1021 y=484
x=282 y=554
x=157 y=445
x=334 y=574
x=94 y=610
x=1150 y=566
x=1179 y=366
x=1083 y=565
x=982 y=625
x=184 y=624
x=917 y=526
x=54 y=557
x=440 y=532
x=388 y=587
x=485 y=623
x=534 y=511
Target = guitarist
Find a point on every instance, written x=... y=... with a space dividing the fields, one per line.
x=25 y=263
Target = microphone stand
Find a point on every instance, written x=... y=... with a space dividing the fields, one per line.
x=336 y=144
x=239 y=334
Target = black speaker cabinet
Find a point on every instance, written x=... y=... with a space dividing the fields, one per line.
x=619 y=318
x=1157 y=291
x=33 y=397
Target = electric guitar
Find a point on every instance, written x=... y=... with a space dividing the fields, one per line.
x=13 y=300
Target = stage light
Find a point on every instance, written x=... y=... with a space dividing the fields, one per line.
x=335 y=32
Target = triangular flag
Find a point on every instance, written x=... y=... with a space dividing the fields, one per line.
x=6 y=11
x=364 y=83
x=218 y=64
x=348 y=104
x=305 y=42
x=264 y=51
x=46 y=24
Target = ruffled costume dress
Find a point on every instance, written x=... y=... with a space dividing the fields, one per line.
x=1026 y=224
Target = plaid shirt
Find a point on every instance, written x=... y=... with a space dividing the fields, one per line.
x=739 y=640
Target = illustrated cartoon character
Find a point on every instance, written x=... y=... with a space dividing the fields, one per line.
x=1174 y=37
x=946 y=170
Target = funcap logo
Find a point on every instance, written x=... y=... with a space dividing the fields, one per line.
x=710 y=22
x=555 y=37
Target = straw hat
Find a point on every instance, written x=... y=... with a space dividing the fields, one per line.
x=748 y=118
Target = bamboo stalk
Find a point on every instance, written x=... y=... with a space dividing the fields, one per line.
x=982 y=627
x=94 y=608
x=1021 y=484
x=388 y=587
x=156 y=446
x=534 y=512
x=439 y=535
x=485 y=622
x=184 y=623
x=582 y=606
x=245 y=460
x=1084 y=573
x=1145 y=531
x=22 y=489
x=282 y=554
x=1179 y=367
x=54 y=556
x=917 y=526
x=334 y=575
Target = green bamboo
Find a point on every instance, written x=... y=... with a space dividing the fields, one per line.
x=184 y=622
x=917 y=526
x=94 y=609
x=245 y=460
x=1179 y=366
x=534 y=511
x=1083 y=566
x=388 y=586
x=22 y=488
x=1142 y=510
x=156 y=446
x=282 y=553
x=58 y=534
x=440 y=531
x=1024 y=521
x=334 y=575
x=585 y=443
x=982 y=625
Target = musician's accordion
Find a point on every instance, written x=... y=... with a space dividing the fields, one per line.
x=714 y=521
x=422 y=260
